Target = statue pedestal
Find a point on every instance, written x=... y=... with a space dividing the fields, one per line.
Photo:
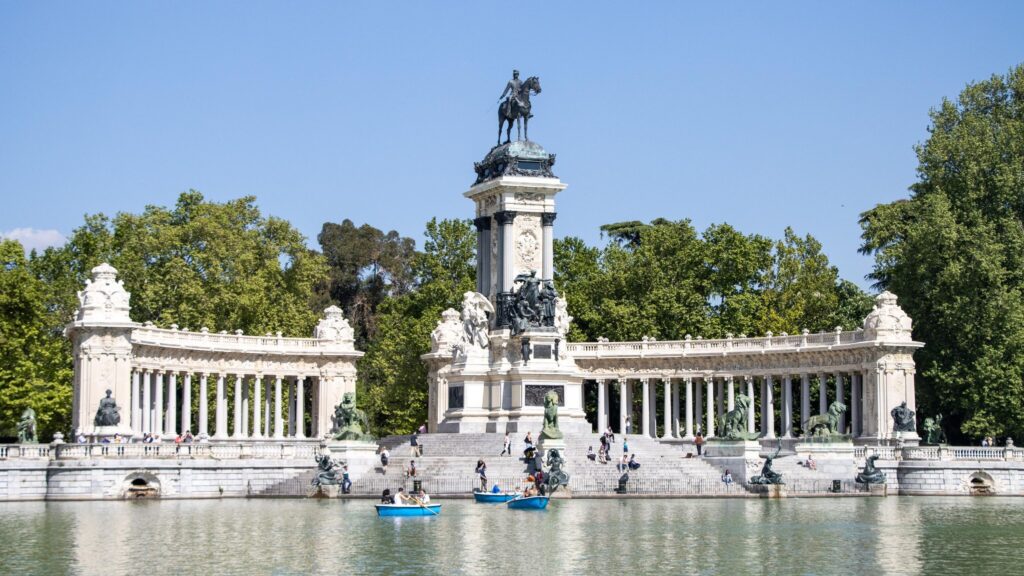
x=360 y=456
x=546 y=444
x=742 y=458
x=99 y=433
x=878 y=489
x=775 y=491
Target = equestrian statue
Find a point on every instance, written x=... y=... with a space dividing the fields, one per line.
x=516 y=106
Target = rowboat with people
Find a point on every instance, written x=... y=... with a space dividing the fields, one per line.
x=408 y=509
x=494 y=497
x=528 y=503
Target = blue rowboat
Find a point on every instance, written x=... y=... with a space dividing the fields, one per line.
x=529 y=503
x=493 y=497
x=406 y=510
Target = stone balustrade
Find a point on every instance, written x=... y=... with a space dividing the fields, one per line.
x=226 y=342
x=942 y=453
x=291 y=450
x=715 y=347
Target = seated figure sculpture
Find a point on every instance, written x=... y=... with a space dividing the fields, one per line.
x=108 y=412
x=350 y=423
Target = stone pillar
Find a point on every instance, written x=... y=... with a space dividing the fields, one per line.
x=689 y=408
x=710 y=425
x=645 y=411
x=483 y=254
x=505 y=219
x=840 y=395
x=675 y=410
x=278 y=420
x=186 y=404
x=221 y=410
x=257 y=406
x=855 y=400
x=267 y=426
x=172 y=404
x=698 y=403
x=147 y=402
x=245 y=406
x=158 y=403
x=548 y=255
x=136 y=405
x=300 y=407
x=822 y=393
x=236 y=429
x=805 y=400
x=750 y=407
x=787 y=406
x=731 y=397
x=667 y=408
x=204 y=410
x=623 y=409
x=602 y=416
x=769 y=407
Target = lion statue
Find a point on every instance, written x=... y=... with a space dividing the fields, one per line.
x=350 y=423
x=550 y=429
x=825 y=425
x=733 y=424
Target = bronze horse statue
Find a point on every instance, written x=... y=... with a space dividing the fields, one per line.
x=515 y=107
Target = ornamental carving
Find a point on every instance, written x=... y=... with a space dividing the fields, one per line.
x=335 y=328
x=104 y=297
x=530 y=196
x=528 y=250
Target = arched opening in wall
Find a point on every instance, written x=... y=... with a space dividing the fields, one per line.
x=141 y=485
x=981 y=484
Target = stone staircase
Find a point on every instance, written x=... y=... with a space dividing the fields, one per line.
x=449 y=462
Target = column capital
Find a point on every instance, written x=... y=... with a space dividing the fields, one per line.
x=548 y=218
x=505 y=217
x=482 y=223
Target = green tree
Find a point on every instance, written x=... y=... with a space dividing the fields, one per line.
x=35 y=358
x=954 y=254
x=392 y=378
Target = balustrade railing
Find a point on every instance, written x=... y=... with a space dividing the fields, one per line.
x=149 y=335
x=715 y=346
x=302 y=450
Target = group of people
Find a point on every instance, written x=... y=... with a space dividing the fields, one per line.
x=604 y=451
x=415 y=499
x=147 y=438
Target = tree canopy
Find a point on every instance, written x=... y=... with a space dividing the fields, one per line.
x=954 y=254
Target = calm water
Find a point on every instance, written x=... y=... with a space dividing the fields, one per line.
x=794 y=536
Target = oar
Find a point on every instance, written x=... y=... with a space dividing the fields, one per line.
x=422 y=505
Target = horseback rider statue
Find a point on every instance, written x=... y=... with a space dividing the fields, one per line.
x=517 y=105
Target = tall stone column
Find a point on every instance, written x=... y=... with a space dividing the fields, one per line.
x=731 y=397
x=666 y=408
x=236 y=429
x=769 y=407
x=787 y=406
x=483 y=254
x=698 y=404
x=822 y=393
x=245 y=406
x=645 y=412
x=172 y=403
x=840 y=395
x=623 y=402
x=547 y=221
x=750 y=407
x=855 y=400
x=186 y=404
x=602 y=415
x=675 y=410
x=147 y=402
x=689 y=408
x=158 y=403
x=710 y=425
x=268 y=427
x=136 y=413
x=257 y=406
x=221 y=409
x=805 y=400
x=278 y=420
x=300 y=407
x=204 y=406
x=505 y=219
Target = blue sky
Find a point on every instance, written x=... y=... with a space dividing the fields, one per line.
x=762 y=115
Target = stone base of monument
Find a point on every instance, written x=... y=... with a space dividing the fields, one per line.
x=546 y=444
x=878 y=489
x=360 y=456
x=742 y=458
x=832 y=459
x=328 y=491
x=100 y=433
x=775 y=491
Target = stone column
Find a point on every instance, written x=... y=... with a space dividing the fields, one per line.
x=291 y=408
x=158 y=403
x=204 y=410
x=689 y=408
x=300 y=407
x=505 y=219
x=236 y=429
x=186 y=404
x=750 y=407
x=623 y=405
x=278 y=421
x=698 y=403
x=787 y=406
x=257 y=406
x=602 y=416
x=268 y=429
x=675 y=410
x=840 y=395
x=667 y=408
x=645 y=410
x=805 y=400
x=245 y=406
x=483 y=254
x=822 y=393
x=220 y=429
x=136 y=407
x=147 y=402
x=710 y=425
x=172 y=403
x=769 y=407
x=855 y=400
x=548 y=255
x=731 y=397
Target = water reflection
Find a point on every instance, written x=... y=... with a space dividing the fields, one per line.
x=801 y=536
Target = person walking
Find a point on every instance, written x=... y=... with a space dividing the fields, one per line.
x=385 y=456
x=629 y=425
x=346 y=482
x=698 y=441
x=481 y=469
x=414 y=444
x=625 y=447
x=506 y=447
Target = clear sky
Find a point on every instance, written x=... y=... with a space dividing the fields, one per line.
x=762 y=114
